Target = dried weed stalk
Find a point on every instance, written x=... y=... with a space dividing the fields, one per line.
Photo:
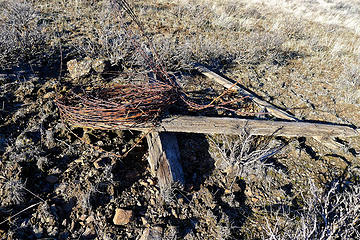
x=21 y=35
x=332 y=213
x=244 y=154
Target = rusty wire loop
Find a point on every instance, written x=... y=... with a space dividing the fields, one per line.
x=116 y=107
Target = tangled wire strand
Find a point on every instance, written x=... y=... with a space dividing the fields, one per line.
x=121 y=106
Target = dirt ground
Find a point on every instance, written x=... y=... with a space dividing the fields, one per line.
x=55 y=183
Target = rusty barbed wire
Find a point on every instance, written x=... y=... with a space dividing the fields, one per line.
x=118 y=106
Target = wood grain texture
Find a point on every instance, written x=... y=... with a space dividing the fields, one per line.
x=164 y=158
x=211 y=125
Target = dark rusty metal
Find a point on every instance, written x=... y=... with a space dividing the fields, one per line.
x=116 y=107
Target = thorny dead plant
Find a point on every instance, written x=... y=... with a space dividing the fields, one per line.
x=240 y=154
x=21 y=35
x=116 y=107
x=15 y=192
x=332 y=213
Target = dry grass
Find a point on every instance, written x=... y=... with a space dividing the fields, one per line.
x=297 y=60
x=21 y=33
x=243 y=155
x=325 y=214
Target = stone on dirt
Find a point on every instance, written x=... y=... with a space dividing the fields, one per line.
x=122 y=216
x=152 y=234
x=51 y=179
x=79 y=68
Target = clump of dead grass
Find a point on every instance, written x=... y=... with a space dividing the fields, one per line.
x=329 y=213
x=243 y=154
x=13 y=192
x=21 y=35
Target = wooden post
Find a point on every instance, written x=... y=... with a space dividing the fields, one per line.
x=164 y=158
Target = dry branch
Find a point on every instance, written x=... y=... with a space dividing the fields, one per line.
x=276 y=112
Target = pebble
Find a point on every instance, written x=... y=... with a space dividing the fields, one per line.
x=122 y=216
x=90 y=219
x=79 y=68
x=143 y=183
x=150 y=181
x=51 y=179
x=152 y=234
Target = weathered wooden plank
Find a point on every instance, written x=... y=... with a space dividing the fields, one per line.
x=211 y=125
x=164 y=158
x=328 y=141
x=273 y=110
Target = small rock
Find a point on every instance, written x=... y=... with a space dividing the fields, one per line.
x=79 y=69
x=150 y=181
x=152 y=234
x=51 y=179
x=49 y=95
x=102 y=162
x=90 y=219
x=122 y=217
x=100 y=65
x=143 y=183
